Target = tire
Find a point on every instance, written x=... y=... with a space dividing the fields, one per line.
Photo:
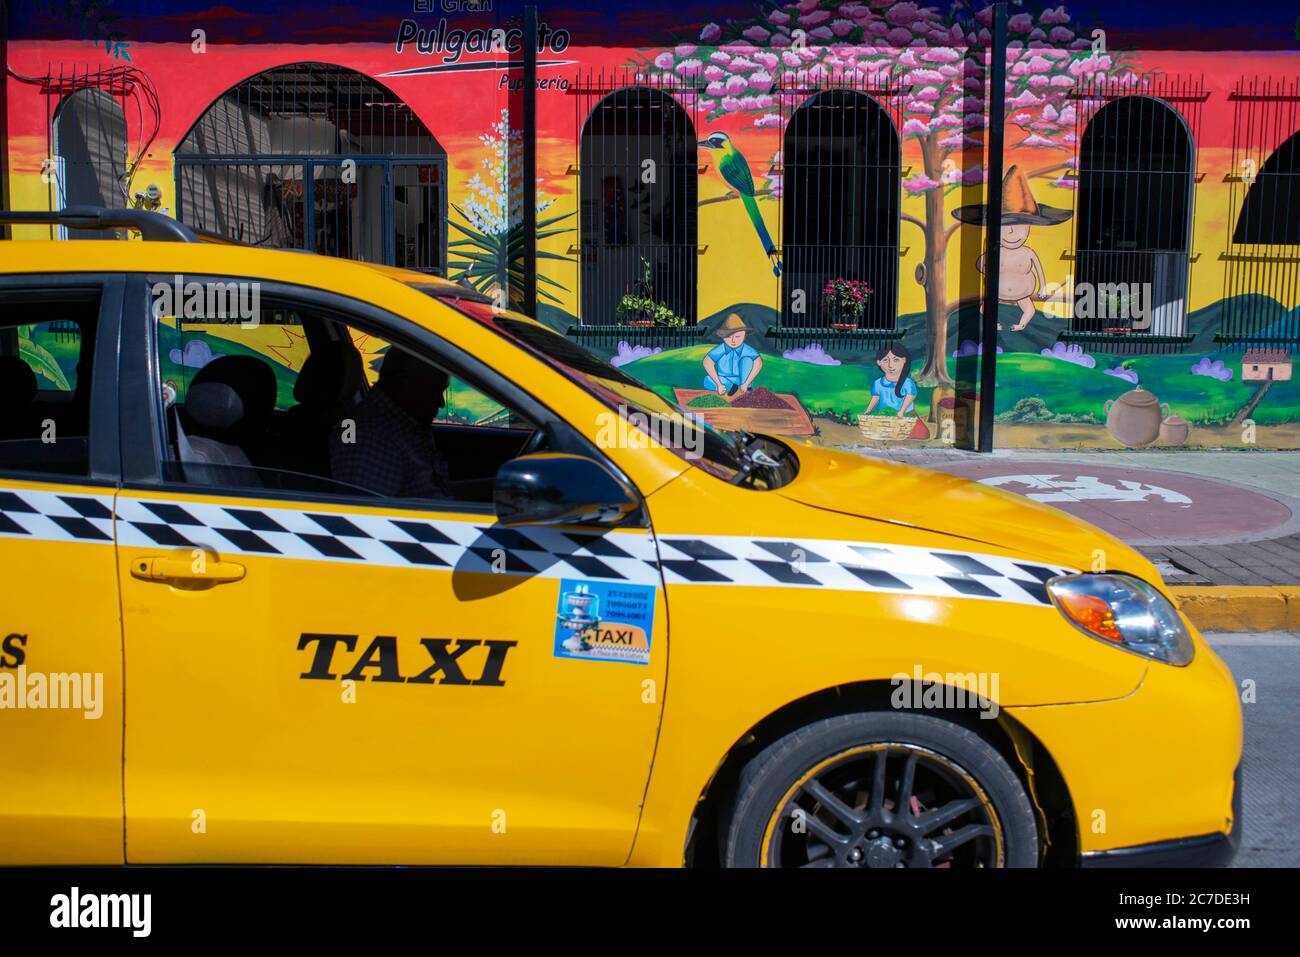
x=809 y=799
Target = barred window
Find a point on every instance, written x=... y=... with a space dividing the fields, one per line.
x=1136 y=181
x=840 y=209
x=319 y=157
x=90 y=152
x=1271 y=212
x=1261 y=277
x=638 y=185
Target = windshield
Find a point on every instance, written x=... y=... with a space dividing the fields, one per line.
x=737 y=457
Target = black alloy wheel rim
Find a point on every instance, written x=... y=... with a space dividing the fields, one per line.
x=887 y=805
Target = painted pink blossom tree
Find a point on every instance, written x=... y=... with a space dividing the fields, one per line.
x=938 y=62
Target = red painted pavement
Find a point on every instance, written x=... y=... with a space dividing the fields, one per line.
x=1136 y=504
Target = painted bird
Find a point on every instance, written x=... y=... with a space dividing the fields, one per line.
x=735 y=170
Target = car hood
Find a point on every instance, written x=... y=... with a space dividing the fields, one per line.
x=886 y=491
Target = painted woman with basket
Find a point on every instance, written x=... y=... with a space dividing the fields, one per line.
x=895 y=390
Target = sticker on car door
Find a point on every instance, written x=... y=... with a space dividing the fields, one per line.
x=603 y=621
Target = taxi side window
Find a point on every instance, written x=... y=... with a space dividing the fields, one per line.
x=46 y=351
x=291 y=400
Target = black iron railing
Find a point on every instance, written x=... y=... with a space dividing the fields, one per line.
x=638 y=187
x=840 y=193
x=1261 y=276
x=1134 y=204
x=317 y=157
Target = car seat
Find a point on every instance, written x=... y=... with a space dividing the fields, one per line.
x=17 y=395
x=227 y=410
x=326 y=387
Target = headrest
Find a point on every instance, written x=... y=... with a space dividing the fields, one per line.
x=401 y=365
x=214 y=406
x=17 y=382
x=331 y=373
x=250 y=377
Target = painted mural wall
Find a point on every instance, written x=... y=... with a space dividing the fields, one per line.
x=741 y=72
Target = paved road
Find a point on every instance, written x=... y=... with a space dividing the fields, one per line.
x=1271 y=765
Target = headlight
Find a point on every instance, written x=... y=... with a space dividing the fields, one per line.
x=1125 y=612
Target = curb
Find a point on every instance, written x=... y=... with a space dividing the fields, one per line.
x=1240 y=607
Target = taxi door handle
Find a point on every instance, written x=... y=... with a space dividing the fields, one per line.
x=160 y=568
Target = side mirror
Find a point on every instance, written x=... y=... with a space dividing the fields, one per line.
x=553 y=488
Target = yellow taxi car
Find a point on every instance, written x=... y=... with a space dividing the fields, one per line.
x=306 y=560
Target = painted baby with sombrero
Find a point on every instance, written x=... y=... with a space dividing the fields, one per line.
x=732 y=365
x=1021 y=271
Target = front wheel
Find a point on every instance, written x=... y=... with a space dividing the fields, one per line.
x=882 y=790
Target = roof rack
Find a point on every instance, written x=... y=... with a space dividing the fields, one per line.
x=154 y=227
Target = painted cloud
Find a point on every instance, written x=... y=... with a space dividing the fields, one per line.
x=1215 y=369
x=630 y=353
x=813 y=354
x=1070 y=353
x=197 y=354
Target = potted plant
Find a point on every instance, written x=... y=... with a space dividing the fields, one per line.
x=845 y=300
x=1115 y=306
x=640 y=307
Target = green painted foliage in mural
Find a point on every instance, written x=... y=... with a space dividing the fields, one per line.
x=1073 y=393
x=43 y=364
x=487 y=262
x=170 y=341
x=466 y=404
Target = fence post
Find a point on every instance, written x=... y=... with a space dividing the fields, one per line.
x=4 y=113
x=993 y=229
x=529 y=174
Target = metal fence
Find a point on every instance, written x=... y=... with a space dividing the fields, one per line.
x=638 y=189
x=318 y=157
x=1261 y=276
x=840 y=180
x=93 y=118
x=1137 y=170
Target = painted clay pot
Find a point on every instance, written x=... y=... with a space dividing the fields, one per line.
x=1134 y=418
x=1174 y=430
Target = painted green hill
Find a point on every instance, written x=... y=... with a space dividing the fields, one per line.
x=1073 y=390
x=842 y=388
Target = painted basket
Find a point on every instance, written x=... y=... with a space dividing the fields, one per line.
x=886 y=427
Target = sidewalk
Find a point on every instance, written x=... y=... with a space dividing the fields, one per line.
x=1222 y=527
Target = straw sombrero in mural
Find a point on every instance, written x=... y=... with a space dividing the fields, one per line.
x=1018 y=205
x=733 y=323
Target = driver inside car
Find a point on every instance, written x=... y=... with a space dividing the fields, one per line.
x=388 y=445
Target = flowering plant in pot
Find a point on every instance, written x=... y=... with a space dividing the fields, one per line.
x=846 y=301
x=640 y=307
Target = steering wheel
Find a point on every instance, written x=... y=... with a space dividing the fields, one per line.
x=536 y=442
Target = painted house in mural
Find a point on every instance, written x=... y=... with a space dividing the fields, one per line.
x=771 y=212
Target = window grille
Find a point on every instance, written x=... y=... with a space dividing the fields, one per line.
x=1134 y=212
x=638 y=189
x=90 y=149
x=840 y=205
x=318 y=157
x=93 y=118
x=1261 y=282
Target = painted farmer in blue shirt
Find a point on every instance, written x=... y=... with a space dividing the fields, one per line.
x=731 y=366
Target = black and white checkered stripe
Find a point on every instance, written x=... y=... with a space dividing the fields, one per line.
x=631 y=556
x=56 y=516
x=388 y=540
x=854 y=566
